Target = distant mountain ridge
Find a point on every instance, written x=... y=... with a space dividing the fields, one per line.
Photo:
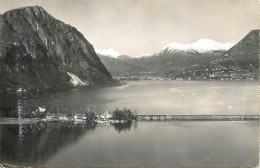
x=214 y=61
x=203 y=45
x=37 y=51
x=173 y=57
x=200 y=46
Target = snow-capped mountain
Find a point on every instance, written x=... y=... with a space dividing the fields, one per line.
x=108 y=52
x=188 y=60
x=203 y=45
x=173 y=57
x=144 y=55
x=200 y=46
x=242 y=62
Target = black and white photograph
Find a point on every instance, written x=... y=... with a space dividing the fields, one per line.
x=129 y=83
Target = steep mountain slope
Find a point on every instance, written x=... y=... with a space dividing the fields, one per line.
x=173 y=57
x=37 y=51
x=239 y=62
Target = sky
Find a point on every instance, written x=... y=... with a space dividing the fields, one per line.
x=135 y=27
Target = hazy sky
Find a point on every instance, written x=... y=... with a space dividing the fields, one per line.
x=135 y=27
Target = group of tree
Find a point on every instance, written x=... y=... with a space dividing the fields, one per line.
x=125 y=114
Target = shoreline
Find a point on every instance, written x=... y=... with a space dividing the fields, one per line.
x=5 y=121
x=118 y=83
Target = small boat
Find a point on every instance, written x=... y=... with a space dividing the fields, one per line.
x=103 y=121
x=116 y=121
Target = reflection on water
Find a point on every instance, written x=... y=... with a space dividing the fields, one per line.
x=145 y=143
x=8 y=105
x=124 y=126
x=34 y=143
x=18 y=105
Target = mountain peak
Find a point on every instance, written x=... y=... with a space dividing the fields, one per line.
x=36 y=7
x=43 y=49
x=202 y=45
x=28 y=9
x=30 y=12
x=108 y=52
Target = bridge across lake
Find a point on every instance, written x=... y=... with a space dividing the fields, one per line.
x=195 y=117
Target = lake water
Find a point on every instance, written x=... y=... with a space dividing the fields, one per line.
x=144 y=97
x=140 y=143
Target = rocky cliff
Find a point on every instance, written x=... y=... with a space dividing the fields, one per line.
x=39 y=51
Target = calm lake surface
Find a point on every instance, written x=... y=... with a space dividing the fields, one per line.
x=141 y=143
x=144 y=97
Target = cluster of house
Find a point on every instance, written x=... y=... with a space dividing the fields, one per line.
x=19 y=90
x=64 y=117
x=118 y=116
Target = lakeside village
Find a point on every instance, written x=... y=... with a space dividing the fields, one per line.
x=208 y=74
x=44 y=114
x=117 y=116
x=217 y=70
